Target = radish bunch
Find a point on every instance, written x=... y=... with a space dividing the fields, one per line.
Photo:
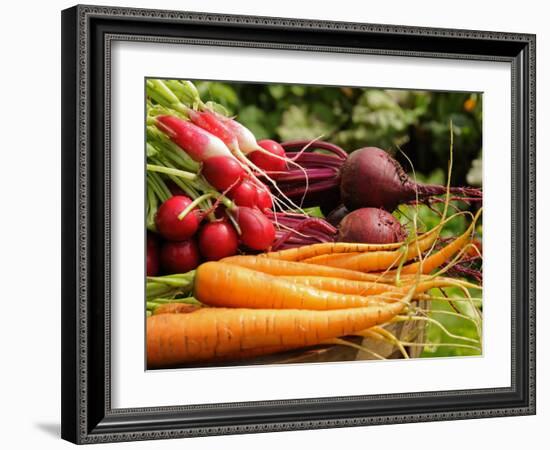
x=206 y=199
x=186 y=236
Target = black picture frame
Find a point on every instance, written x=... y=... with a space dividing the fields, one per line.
x=87 y=33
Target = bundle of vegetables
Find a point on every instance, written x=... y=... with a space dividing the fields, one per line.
x=204 y=200
x=206 y=193
x=250 y=305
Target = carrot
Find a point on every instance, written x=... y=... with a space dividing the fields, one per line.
x=328 y=248
x=213 y=333
x=354 y=287
x=230 y=286
x=374 y=261
x=437 y=259
x=282 y=268
x=330 y=258
x=175 y=308
x=340 y=285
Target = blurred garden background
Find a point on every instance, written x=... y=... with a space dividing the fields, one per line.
x=403 y=122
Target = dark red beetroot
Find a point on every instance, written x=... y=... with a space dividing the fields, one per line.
x=368 y=177
x=168 y=224
x=218 y=240
x=179 y=257
x=152 y=255
x=337 y=214
x=267 y=162
x=370 y=226
x=257 y=231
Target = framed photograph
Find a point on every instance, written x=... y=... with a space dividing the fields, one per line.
x=281 y=224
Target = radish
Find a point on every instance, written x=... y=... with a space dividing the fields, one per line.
x=241 y=141
x=219 y=135
x=218 y=240
x=222 y=172
x=210 y=122
x=257 y=231
x=244 y=137
x=370 y=226
x=167 y=221
x=220 y=167
x=263 y=199
x=267 y=162
x=244 y=194
x=179 y=257
x=197 y=143
x=368 y=177
x=152 y=255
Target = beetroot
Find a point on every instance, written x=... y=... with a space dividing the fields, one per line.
x=371 y=177
x=179 y=257
x=218 y=240
x=168 y=224
x=257 y=231
x=337 y=214
x=370 y=226
x=368 y=177
x=152 y=255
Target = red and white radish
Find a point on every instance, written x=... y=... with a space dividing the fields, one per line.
x=220 y=167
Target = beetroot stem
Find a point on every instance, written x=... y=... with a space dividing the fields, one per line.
x=323 y=145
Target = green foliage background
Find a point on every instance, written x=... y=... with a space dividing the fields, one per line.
x=416 y=122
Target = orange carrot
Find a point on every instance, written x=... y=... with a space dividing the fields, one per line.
x=340 y=285
x=440 y=257
x=354 y=287
x=328 y=248
x=209 y=334
x=374 y=261
x=281 y=267
x=175 y=308
x=230 y=286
